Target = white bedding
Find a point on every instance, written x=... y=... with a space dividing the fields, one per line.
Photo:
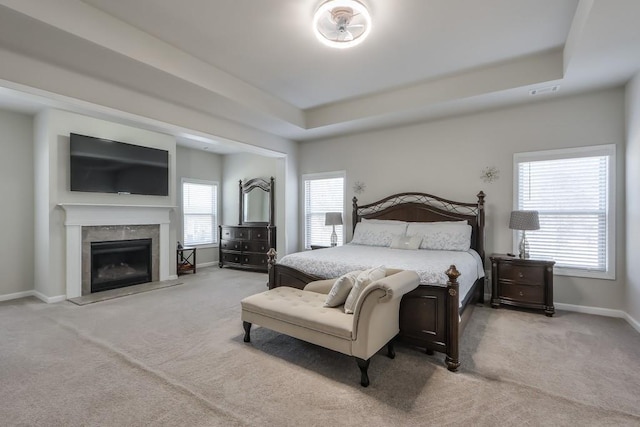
x=429 y=264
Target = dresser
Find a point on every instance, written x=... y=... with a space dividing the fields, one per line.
x=524 y=283
x=246 y=246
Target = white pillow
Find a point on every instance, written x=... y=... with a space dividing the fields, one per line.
x=444 y=236
x=341 y=288
x=376 y=234
x=406 y=242
x=383 y=221
x=363 y=279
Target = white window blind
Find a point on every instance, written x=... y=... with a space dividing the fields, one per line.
x=322 y=194
x=571 y=190
x=199 y=207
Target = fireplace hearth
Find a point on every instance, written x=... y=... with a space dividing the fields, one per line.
x=120 y=263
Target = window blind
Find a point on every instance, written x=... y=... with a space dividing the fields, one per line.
x=571 y=197
x=199 y=209
x=322 y=195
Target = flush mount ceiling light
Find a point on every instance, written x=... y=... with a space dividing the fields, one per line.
x=342 y=23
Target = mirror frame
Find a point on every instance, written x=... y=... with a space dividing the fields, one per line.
x=261 y=184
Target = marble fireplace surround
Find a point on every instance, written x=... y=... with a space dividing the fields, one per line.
x=88 y=218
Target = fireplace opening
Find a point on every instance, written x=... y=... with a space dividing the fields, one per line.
x=120 y=263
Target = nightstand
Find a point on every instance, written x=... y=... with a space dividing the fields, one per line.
x=522 y=283
x=314 y=247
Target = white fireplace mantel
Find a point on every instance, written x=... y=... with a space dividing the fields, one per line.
x=84 y=214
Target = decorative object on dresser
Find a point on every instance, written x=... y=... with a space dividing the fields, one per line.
x=524 y=220
x=524 y=283
x=333 y=219
x=246 y=245
x=433 y=315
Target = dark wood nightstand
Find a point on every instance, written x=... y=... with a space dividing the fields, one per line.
x=522 y=283
x=314 y=247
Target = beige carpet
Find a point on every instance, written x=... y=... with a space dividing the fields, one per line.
x=175 y=356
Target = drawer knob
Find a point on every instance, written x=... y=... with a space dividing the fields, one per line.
x=520 y=275
x=521 y=294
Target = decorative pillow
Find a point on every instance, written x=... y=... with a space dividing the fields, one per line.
x=376 y=234
x=406 y=242
x=444 y=236
x=341 y=288
x=363 y=279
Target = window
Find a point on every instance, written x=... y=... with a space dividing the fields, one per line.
x=573 y=191
x=200 y=212
x=322 y=193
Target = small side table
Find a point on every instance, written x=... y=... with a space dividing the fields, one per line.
x=522 y=283
x=186 y=260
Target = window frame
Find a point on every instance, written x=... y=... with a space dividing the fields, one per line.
x=323 y=175
x=572 y=153
x=216 y=223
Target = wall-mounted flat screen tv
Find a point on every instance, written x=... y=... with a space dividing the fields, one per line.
x=104 y=166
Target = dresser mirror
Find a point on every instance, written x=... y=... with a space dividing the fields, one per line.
x=256 y=202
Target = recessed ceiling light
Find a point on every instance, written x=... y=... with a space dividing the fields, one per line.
x=342 y=23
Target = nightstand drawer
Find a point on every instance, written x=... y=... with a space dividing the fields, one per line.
x=521 y=273
x=525 y=293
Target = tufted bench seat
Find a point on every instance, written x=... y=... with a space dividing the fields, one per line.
x=302 y=314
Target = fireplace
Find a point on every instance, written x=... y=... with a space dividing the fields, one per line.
x=120 y=263
x=88 y=223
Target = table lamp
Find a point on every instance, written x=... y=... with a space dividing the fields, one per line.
x=524 y=220
x=333 y=219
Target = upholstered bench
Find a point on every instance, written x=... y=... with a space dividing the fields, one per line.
x=302 y=314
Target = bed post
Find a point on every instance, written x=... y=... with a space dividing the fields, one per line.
x=480 y=238
x=271 y=261
x=452 y=360
x=354 y=215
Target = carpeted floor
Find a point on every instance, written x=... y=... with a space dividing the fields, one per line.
x=175 y=356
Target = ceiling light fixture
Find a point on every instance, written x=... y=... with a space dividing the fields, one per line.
x=342 y=23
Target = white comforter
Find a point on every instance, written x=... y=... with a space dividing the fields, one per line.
x=430 y=265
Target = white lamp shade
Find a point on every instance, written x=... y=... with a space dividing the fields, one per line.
x=524 y=220
x=333 y=218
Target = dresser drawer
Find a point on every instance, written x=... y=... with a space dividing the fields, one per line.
x=257 y=260
x=232 y=245
x=523 y=274
x=257 y=246
x=525 y=293
x=258 y=234
x=231 y=257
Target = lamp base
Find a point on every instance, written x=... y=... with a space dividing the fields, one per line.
x=334 y=237
x=523 y=247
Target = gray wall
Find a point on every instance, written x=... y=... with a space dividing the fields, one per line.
x=446 y=158
x=16 y=215
x=633 y=200
x=197 y=164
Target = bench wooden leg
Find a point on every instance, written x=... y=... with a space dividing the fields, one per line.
x=247 y=330
x=391 y=352
x=363 y=365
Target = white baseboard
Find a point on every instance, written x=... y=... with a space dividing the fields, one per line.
x=49 y=300
x=633 y=322
x=598 y=311
x=172 y=277
x=206 y=264
x=33 y=293
x=16 y=295
x=590 y=310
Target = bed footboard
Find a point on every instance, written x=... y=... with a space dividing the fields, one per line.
x=429 y=315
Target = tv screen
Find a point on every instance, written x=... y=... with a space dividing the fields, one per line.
x=104 y=166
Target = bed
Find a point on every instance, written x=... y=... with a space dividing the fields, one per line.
x=433 y=315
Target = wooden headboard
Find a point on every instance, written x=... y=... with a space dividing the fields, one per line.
x=422 y=207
